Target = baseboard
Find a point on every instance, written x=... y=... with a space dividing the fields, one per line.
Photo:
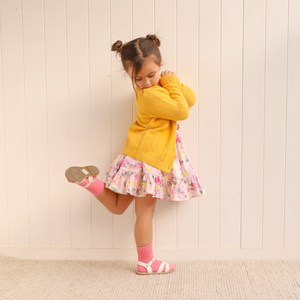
x=164 y=254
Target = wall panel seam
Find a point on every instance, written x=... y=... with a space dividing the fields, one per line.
x=132 y=107
x=286 y=120
x=176 y=71
x=68 y=105
x=47 y=116
x=111 y=107
x=25 y=115
x=198 y=123
x=90 y=118
x=242 y=121
x=220 y=114
x=264 y=126
x=4 y=129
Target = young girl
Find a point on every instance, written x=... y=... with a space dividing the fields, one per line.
x=153 y=163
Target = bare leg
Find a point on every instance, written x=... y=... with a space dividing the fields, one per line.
x=144 y=209
x=86 y=177
x=115 y=203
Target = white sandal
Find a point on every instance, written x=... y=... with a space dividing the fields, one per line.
x=150 y=271
x=79 y=174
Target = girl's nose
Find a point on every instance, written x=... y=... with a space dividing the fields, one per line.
x=146 y=82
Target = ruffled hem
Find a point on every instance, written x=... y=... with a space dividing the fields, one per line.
x=128 y=175
x=139 y=185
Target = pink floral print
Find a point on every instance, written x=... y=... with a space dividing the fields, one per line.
x=128 y=175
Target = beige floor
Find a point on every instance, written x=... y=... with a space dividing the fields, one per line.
x=205 y=280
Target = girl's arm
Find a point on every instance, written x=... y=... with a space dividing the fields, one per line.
x=168 y=103
x=188 y=94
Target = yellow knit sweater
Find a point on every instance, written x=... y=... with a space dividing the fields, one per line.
x=151 y=138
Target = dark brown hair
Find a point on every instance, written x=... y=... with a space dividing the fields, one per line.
x=134 y=52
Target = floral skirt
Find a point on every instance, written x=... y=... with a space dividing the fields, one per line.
x=128 y=175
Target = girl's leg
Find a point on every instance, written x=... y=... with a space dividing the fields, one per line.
x=115 y=203
x=144 y=209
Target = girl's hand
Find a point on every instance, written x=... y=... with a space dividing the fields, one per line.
x=166 y=73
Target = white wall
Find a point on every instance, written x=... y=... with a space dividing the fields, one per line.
x=64 y=100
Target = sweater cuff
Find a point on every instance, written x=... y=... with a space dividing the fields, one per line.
x=168 y=79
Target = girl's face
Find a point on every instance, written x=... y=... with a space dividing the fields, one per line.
x=148 y=76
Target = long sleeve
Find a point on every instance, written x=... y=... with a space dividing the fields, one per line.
x=167 y=102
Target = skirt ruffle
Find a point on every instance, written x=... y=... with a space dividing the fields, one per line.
x=128 y=175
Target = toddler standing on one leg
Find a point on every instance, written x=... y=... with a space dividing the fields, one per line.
x=153 y=163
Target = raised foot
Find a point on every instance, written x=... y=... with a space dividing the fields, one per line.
x=78 y=174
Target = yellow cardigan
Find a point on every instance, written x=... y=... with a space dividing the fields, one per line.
x=151 y=138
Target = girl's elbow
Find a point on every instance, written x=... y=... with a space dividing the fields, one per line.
x=184 y=115
x=192 y=101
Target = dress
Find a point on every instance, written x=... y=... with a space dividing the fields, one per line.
x=129 y=175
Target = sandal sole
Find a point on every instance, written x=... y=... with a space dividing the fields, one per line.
x=155 y=273
x=75 y=174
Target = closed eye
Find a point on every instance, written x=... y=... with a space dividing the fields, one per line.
x=150 y=76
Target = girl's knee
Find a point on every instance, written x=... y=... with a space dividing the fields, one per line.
x=144 y=208
x=122 y=205
x=119 y=212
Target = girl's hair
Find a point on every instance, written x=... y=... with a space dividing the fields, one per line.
x=134 y=52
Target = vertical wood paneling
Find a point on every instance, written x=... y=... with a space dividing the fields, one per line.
x=79 y=116
x=122 y=102
x=292 y=205
x=187 y=72
x=58 y=127
x=100 y=112
x=36 y=122
x=15 y=122
x=231 y=123
x=165 y=218
x=3 y=196
x=275 y=123
x=209 y=121
x=142 y=18
x=65 y=100
x=253 y=123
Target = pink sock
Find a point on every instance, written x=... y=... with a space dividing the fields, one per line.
x=145 y=255
x=95 y=187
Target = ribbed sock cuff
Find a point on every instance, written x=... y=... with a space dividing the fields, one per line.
x=145 y=254
x=95 y=188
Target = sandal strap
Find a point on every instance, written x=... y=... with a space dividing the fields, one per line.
x=148 y=265
x=91 y=180
x=161 y=267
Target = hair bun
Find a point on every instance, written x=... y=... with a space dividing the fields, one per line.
x=154 y=38
x=117 y=46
